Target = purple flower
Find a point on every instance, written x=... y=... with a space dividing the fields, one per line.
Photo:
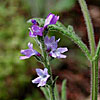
x=29 y=52
x=50 y=43
x=58 y=53
x=42 y=77
x=51 y=19
x=35 y=30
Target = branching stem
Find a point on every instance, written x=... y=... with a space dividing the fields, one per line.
x=94 y=63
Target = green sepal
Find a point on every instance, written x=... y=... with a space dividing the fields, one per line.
x=40 y=59
x=54 y=81
x=49 y=82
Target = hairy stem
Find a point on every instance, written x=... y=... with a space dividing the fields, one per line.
x=89 y=25
x=94 y=70
x=94 y=79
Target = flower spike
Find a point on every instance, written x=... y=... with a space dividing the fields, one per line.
x=35 y=30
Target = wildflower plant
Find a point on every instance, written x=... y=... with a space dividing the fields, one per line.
x=49 y=50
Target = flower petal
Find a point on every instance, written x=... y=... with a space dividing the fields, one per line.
x=23 y=57
x=46 y=40
x=28 y=52
x=62 y=50
x=48 y=19
x=58 y=40
x=31 y=34
x=45 y=71
x=34 y=22
x=36 y=80
x=51 y=19
x=40 y=72
x=50 y=43
x=57 y=53
x=42 y=83
x=52 y=39
x=61 y=56
x=30 y=45
x=52 y=54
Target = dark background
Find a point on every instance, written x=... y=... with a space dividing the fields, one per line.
x=16 y=75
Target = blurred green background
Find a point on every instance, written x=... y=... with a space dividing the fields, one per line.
x=16 y=75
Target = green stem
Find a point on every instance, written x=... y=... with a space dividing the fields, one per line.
x=94 y=79
x=44 y=54
x=89 y=26
x=47 y=65
x=94 y=70
x=53 y=94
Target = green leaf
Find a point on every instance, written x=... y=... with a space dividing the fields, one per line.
x=46 y=92
x=97 y=51
x=55 y=89
x=56 y=93
x=63 y=91
x=69 y=32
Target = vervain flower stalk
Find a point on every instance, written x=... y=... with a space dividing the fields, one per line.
x=49 y=48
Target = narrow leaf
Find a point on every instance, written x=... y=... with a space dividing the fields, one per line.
x=56 y=93
x=63 y=92
x=97 y=51
x=69 y=32
x=46 y=93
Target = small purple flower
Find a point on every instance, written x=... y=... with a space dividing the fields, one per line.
x=29 y=52
x=51 y=19
x=34 y=22
x=50 y=43
x=35 y=30
x=42 y=77
x=57 y=53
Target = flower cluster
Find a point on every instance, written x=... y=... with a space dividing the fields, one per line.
x=36 y=30
x=51 y=46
